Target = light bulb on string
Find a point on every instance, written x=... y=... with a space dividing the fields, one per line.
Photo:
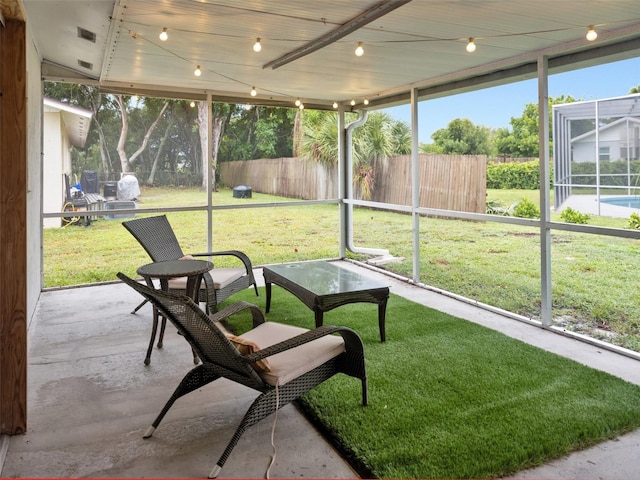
x=301 y=106
x=353 y=102
x=197 y=72
x=366 y=101
x=298 y=102
x=192 y=104
x=359 y=50
x=257 y=46
x=253 y=91
x=591 y=33
x=164 y=35
x=471 y=46
x=335 y=105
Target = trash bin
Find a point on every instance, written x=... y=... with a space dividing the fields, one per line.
x=242 y=191
x=110 y=190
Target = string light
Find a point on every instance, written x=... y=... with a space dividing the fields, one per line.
x=353 y=102
x=471 y=46
x=366 y=101
x=301 y=106
x=192 y=104
x=253 y=91
x=298 y=102
x=591 y=34
x=257 y=46
x=164 y=35
x=197 y=72
x=335 y=105
x=359 y=50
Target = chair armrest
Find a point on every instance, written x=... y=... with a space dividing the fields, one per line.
x=256 y=313
x=234 y=253
x=352 y=342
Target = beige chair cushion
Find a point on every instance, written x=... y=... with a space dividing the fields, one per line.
x=288 y=365
x=245 y=347
x=221 y=278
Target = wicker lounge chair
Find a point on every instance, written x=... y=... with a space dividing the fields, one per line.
x=157 y=237
x=299 y=359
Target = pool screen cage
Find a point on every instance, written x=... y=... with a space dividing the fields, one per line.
x=602 y=161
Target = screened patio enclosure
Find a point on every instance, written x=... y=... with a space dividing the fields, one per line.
x=603 y=162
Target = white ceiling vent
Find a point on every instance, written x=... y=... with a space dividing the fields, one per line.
x=86 y=65
x=86 y=34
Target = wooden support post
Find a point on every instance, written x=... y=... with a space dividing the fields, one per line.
x=13 y=230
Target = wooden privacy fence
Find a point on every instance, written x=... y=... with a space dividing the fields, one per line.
x=286 y=177
x=451 y=182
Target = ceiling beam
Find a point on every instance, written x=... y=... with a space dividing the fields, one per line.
x=343 y=30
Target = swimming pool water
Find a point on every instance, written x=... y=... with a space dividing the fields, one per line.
x=629 y=202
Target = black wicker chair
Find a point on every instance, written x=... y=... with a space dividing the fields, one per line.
x=157 y=237
x=299 y=359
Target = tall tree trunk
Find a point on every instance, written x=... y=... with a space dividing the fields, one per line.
x=152 y=174
x=124 y=130
x=125 y=162
x=251 y=140
x=96 y=101
x=145 y=140
x=104 y=152
x=297 y=133
x=217 y=133
x=203 y=129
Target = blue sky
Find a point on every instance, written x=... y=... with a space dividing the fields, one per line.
x=494 y=107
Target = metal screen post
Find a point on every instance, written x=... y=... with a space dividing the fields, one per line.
x=545 y=207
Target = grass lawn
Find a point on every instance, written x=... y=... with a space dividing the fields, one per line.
x=594 y=277
x=452 y=399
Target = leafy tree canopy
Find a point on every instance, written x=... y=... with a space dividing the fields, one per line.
x=522 y=139
x=462 y=137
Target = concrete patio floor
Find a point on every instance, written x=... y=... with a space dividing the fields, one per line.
x=90 y=399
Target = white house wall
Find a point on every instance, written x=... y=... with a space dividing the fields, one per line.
x=34 y=174
x=56 y=160
x=615 y=138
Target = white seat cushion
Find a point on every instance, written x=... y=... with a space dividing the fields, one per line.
x=297 y=361
x=221 y=278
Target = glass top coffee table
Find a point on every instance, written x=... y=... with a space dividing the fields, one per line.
x=323 y=286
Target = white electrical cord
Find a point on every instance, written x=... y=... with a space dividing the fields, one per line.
x=273 y=431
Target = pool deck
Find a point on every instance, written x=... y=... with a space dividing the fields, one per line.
x=589 y=204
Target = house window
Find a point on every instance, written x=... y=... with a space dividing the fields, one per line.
x=604 y=153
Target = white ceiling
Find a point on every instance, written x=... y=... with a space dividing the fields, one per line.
x=420 y=44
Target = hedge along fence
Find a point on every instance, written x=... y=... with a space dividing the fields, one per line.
x=452 y=182
x=516 y=175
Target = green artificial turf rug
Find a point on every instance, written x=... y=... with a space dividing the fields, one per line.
x=451 y=399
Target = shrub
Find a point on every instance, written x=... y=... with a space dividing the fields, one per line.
x=634 y=221
x=526 y=209
x=514 y=175
x=570 y=215
x=496 y=208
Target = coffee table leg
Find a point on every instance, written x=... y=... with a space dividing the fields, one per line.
x=382 y=311
x=267 y=287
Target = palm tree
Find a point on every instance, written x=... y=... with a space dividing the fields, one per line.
x=380 y=137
